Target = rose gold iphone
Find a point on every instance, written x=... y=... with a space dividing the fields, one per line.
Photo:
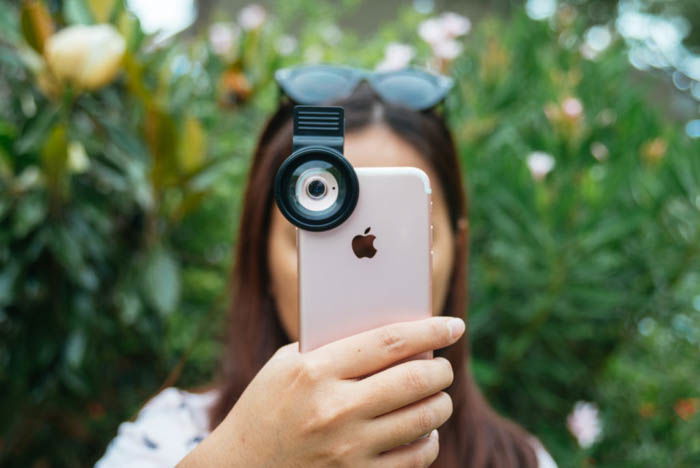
x=373 y=269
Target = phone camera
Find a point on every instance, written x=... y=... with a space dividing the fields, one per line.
x=312 y=186
x=316 y=189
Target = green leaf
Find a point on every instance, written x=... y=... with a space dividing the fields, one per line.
x=29 y=212
x=102 y=10
x=129 y=305
x=77 y=12
x=36 y=24
x=5 y=168
x=75 y=348
x=37 y=131
x=192 y=147
x=11 y=28
x=69 y=249
x=130 y=28
x=8 y=134
x=8 y=276
x=207 y=175
x=161 y=281
x=161 y=135
x=54 y=158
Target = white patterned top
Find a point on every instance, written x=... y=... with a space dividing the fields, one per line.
x=171 y=424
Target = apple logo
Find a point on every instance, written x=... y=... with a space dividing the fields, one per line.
x=363 y=246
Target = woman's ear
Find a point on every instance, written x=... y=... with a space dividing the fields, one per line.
x=463 y=224
x=462 y=233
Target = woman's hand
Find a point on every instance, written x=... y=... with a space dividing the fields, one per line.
x=318 y=408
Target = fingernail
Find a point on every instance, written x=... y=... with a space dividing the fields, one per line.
x=456 y=327
x=434 y=434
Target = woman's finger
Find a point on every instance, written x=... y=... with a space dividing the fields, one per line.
x=373 y=350
x=407 y=424
x=422 y=452
x=402 y=385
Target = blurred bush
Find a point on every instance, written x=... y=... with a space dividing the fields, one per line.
x=119 y=199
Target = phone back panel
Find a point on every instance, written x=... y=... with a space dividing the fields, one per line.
x=341 y=294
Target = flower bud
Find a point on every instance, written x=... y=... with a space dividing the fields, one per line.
x=540 y=164
x=88 y=57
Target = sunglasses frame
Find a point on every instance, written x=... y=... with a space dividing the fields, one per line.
x=355 y=76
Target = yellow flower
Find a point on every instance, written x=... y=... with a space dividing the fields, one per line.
x=88 y=57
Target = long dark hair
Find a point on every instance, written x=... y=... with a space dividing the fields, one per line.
x=474 y=435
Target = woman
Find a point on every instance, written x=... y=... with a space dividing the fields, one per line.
x=271 y=405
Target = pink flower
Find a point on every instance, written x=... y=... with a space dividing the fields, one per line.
x=222 y=37
x=396 y=56
x=252 y=17
x=455 y=25
x=572 y=107
x=448 y=50
x=444 y=27
x=441 y=33
x=584 y=424
x=540 y=164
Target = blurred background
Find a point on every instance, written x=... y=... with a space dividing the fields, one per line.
x=124 y=149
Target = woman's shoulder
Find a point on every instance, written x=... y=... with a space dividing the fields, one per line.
x=174 y=399
x=166 y=428
x=544 y=459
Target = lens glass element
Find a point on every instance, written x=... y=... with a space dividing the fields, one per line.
x=316 y=187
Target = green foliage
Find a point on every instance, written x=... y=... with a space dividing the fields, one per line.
x=99 y=194
x=564 y=269
x=119 y=208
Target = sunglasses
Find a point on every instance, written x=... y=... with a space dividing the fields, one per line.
x=414 y=88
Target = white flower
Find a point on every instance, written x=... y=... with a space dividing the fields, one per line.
x=396 y=57
x=599 y=151
x=597 y=39
x=572 y=107
x=87 y=57
x=540 y=164
x=431 y=31
x=222 y=37
x=455 y=25
x=448 y=50
x=252 y=17
x=331 y=34
x=286 y=44
x=584 y=424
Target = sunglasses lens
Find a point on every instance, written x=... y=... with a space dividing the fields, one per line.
x=414 y=90
x=317 y=85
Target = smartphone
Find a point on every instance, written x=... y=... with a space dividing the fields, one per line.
x=376 y=267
